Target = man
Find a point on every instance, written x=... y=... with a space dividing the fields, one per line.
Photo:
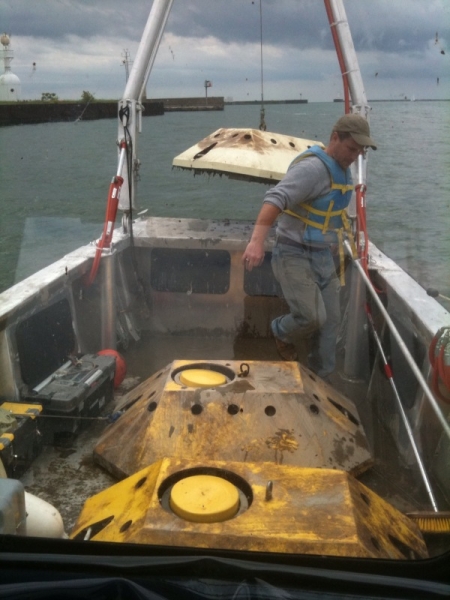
x=310 y=202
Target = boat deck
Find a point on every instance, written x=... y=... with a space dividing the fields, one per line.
x=66 y=475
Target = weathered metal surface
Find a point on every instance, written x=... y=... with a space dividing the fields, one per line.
x=311 y=511
x=248 y=154
x=279 y=413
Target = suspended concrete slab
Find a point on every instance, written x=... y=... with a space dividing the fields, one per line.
x=248 y=154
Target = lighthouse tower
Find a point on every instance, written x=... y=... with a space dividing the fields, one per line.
x=9 y=83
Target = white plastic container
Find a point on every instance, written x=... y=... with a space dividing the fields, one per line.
x=12 y=507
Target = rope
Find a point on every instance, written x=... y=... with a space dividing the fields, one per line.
x=111 y=418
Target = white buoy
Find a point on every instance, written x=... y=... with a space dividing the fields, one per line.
x=43 y=520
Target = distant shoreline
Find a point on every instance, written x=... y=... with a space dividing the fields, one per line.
x=403 y=100
x=33 y=112
x=27 y=112
x=213 y=103
x=257 y=102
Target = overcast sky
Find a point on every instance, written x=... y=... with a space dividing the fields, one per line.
x=67 y=46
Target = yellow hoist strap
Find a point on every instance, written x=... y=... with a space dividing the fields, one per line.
x=324 y=227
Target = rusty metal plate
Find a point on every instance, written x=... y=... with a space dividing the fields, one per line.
x=309 y=511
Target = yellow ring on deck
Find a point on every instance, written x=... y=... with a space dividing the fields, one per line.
x=201 y=378
x=204 y=499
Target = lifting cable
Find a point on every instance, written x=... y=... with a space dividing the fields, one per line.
x=262 y=122
x=124 y=114
x=110 y=418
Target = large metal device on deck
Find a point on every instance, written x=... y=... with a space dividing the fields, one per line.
x=278 y=508
x=257 y=455
x=254 y=411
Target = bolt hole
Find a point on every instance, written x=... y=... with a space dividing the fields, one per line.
x=344 y=411
x=95 y=528
x=140 y=483
x=126 y=526
x=366 y=499
x=197 y=409
x=403 y=548
x=270 y=411
x=375 y=543
x=233 y=409
x=152 y=406
x=314 y=409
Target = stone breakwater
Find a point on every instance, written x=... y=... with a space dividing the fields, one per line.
x=29 y=113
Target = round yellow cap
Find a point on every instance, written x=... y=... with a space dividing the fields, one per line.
x=201 y=378
x=204 y=499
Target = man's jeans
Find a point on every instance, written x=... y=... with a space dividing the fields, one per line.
x=311 y=288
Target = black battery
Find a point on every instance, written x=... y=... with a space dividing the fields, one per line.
x=21 y=439
x=80 y=388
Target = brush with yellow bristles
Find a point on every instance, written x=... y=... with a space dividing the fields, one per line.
x=431 y=522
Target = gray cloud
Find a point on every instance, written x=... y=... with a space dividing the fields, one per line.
x=55 y=19
x=78 y=44
x=383 y=25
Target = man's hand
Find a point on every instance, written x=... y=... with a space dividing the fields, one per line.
x=254 y=253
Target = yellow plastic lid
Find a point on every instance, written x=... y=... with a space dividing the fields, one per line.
x=201 y=378
x=204 y=499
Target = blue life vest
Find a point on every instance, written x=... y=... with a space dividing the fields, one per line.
x=325 y=217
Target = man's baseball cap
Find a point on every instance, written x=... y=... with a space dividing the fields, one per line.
x=357 y=127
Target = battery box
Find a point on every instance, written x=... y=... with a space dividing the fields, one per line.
x=79 y=388
x=20 y=436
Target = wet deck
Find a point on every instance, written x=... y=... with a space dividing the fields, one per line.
x=66 y=475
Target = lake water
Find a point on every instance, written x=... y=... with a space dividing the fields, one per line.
x=55 y=178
